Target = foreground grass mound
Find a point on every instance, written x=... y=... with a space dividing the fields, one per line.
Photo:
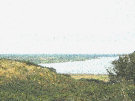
x=23 y=81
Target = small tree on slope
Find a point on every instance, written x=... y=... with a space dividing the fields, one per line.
x=124 y=68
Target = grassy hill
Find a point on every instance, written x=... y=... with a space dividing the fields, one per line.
x=24 y=81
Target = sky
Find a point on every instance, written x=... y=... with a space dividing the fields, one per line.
x=67 y=26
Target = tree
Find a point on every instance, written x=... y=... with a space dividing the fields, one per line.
x=123 y=68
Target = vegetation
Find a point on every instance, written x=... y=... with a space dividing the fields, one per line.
x=124 y=69
x=21 y=81
x=102 y=77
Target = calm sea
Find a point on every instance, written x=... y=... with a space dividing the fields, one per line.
x=93 y=66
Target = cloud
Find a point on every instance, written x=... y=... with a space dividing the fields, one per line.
x=72 y=26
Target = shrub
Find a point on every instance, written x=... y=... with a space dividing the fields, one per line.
x=124 y=68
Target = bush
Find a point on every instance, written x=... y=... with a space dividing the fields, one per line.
x=124 y=69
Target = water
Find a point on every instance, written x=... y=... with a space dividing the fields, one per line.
x=93 y=66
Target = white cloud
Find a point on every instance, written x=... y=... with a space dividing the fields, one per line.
x=73 y=26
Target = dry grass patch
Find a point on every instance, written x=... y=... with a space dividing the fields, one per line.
x=102 y=77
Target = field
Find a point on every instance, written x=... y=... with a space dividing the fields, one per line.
x=102 y=77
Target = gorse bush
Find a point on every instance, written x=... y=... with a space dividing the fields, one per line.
x=22 y=82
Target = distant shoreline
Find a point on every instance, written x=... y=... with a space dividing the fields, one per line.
x=54 y=58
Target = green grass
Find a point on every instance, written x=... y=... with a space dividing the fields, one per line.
x=22 y=82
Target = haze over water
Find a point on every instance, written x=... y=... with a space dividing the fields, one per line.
x=93 y=66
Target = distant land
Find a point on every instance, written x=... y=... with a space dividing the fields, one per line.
x=54 y=58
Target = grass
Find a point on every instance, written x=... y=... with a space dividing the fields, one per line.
x=21 y=81
x=102 y=77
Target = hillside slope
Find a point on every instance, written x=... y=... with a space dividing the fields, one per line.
x=23 y=81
